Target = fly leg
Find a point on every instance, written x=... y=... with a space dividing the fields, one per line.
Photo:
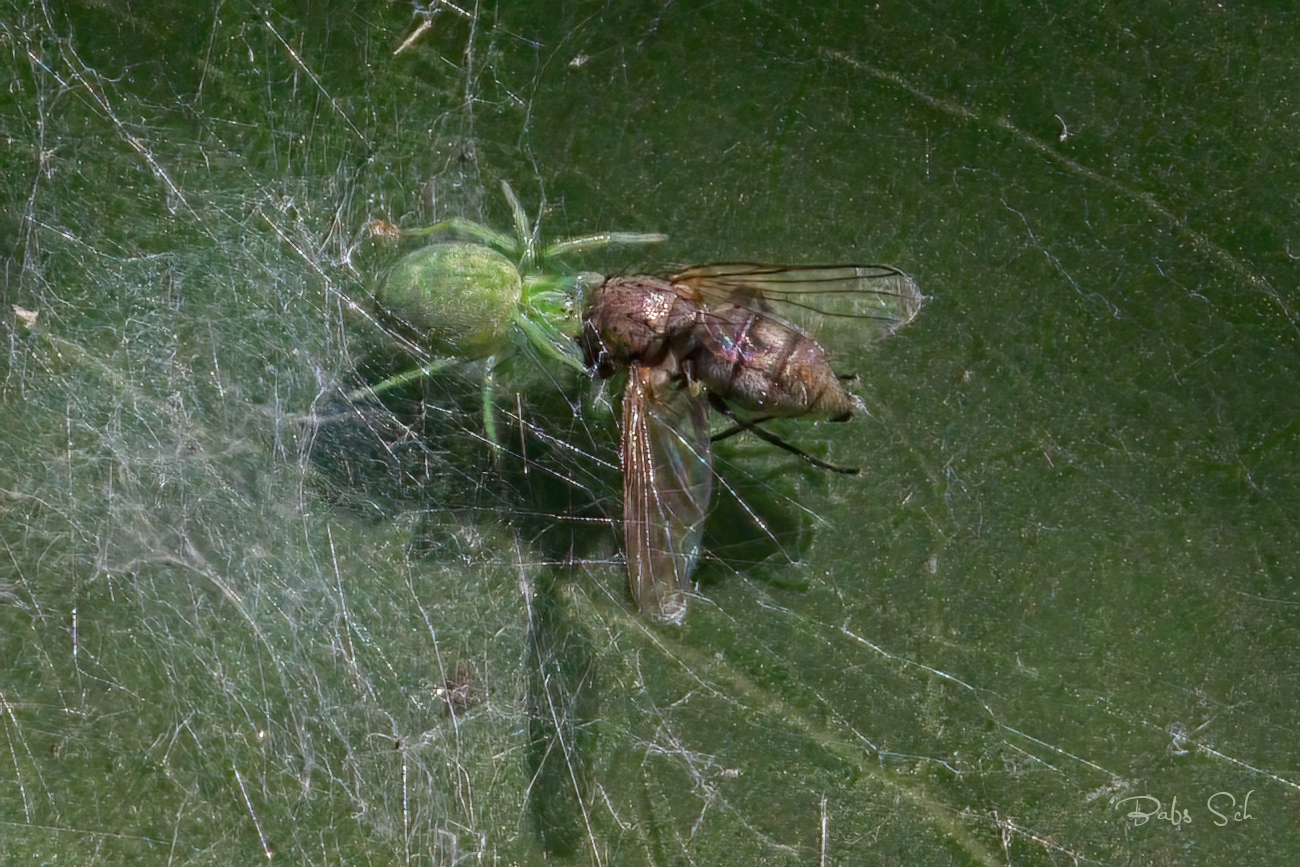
x=752 y=426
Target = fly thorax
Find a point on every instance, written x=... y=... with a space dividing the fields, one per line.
x=636 y=318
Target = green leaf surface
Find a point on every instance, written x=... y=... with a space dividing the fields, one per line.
x=243 y=618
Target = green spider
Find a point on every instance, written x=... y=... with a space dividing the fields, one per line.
x=465 y=301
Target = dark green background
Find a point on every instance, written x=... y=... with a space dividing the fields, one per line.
x=1066 y=576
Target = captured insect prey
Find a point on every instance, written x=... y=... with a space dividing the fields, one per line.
x=741 y=338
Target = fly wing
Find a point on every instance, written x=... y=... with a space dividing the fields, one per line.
x=872 y=300
x=667 y=485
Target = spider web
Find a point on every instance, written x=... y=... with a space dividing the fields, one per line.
x=243 y=617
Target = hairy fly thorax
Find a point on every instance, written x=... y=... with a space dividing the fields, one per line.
x=638 y=319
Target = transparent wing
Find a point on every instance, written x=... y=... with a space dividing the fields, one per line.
x=667 y=485
x=874 y=300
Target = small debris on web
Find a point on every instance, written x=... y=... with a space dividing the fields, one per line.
x=459 y=692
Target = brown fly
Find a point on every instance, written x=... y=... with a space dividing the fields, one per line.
x=740 y=338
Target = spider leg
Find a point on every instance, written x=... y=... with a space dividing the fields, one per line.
x=489 y=408
x=603 y=239
x=497 y=241
x=527 y=237
x=435 y=366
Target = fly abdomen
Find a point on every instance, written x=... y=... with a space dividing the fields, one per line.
x=768 y=366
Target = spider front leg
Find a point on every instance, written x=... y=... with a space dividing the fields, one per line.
x=468 y=228
x=602 y=239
